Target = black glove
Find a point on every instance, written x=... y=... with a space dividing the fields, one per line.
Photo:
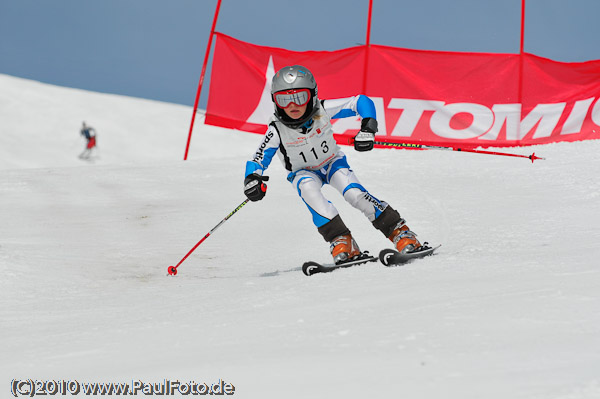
x=365 y=139
x=254 y=188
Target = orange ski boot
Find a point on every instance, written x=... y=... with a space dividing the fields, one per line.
x=343 y=249
x=404 y=240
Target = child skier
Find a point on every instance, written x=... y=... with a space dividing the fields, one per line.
x=90 y=135
x=301 y=133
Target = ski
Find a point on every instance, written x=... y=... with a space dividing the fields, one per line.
x=391 y=257
x=388 y=257
x=309 y=268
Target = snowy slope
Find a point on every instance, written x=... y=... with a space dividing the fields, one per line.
x=509 y=308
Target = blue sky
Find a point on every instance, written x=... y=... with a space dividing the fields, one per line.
x=155 y=48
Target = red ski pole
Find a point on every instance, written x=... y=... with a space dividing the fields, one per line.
x=172 y=270
x=533 y=157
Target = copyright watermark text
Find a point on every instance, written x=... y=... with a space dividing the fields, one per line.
x=31 y=388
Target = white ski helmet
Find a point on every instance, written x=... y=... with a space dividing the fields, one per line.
x=294 y=84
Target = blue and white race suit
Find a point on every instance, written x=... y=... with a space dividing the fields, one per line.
x=313 y=159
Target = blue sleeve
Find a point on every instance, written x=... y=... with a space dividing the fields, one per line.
x=259 y=166
x=366 y=107
x=352 y=106
x=252 y=167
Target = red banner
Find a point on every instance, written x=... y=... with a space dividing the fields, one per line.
x=426 y=97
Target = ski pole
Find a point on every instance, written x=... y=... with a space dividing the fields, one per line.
x=533 y=157
x=172 y=270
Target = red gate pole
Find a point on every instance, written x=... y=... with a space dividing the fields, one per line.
x=367 y=46
x=521 y=59
x=521 y=52
x=212 y=32
x=522 y=47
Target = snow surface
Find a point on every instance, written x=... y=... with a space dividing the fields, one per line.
x=509 y=308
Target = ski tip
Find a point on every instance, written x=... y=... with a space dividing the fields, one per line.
x=391 y=257
x=385 y=254
x=310 y=268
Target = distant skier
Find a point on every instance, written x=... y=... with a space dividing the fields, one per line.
x=90 y=135
x=301 y=133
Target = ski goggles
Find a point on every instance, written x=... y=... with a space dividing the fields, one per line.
x=300 y=97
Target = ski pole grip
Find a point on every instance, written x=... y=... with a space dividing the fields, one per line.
x=263 y=186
